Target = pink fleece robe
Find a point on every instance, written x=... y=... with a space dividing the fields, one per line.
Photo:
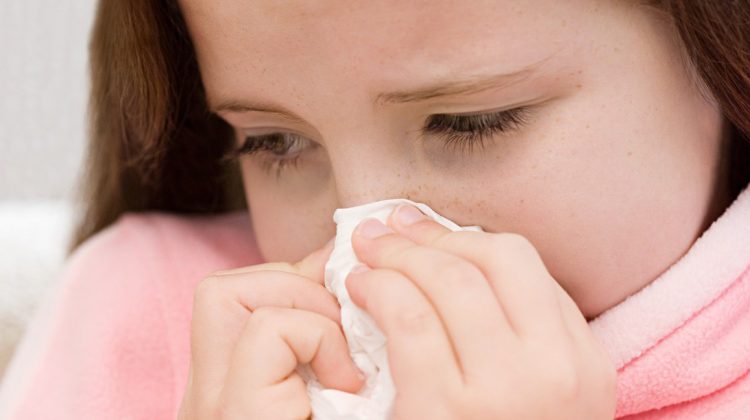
x=112 y=338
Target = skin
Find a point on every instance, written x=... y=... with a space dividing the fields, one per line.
x=615 y=175
x=475 y=344
x=612 y=176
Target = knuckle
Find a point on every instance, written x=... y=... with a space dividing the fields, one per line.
x=514 y=243
x=225 y=411
x=207 y=285
x=455 y=269
x=452 y=237
x=210 y=289
x=265 y=314
x=329 y=327
x=264 y=319
x=565 y=381
x=391 y=252
x=458 y=275
x=414 y=320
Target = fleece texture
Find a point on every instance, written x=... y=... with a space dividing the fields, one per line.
x=681 y=345
x=112 y=338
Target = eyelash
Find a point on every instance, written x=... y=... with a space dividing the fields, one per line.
x=464 y=132
x=459 y=132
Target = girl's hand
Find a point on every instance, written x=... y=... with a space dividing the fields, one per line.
x=250 y=328
x=476 y=326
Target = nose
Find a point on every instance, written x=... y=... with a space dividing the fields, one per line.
x=367 y=182
x=371 y=173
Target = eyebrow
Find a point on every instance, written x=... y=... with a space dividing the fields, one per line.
x=240 y=106
x=454 y=87
x=458 y=87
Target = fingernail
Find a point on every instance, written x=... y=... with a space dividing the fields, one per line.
x=359 y=268
x=372 y=228
x=406 y=214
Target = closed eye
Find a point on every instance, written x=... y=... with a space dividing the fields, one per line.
x=467 y=131
x=457 y=131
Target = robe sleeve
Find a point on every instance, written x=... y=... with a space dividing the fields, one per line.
x=97 y=347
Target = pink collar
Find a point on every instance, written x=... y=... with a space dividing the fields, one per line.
x=687 y=333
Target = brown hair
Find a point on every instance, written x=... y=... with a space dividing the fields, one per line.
x=153 y=144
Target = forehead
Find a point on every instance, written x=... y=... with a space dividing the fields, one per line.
x=343 y=43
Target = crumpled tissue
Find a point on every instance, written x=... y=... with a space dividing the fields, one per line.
x=366 y=342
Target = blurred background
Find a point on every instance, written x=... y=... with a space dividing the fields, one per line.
x=43 y=99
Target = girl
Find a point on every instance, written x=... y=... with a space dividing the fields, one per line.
x=602 y=146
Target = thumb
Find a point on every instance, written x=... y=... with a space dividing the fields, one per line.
x=313 y=265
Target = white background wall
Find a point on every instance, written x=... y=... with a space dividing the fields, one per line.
x=43 y=97
x=43 y=84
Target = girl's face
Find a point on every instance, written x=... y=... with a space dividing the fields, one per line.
x=597 y=146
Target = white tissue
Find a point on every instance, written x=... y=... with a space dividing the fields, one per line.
x=366 y=342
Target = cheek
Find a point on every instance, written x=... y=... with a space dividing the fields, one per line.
x=611 y=200
x=287 y=227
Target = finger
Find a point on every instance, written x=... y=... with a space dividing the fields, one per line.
x=275 y=340
x=461 y=295
x=420 y=354
x=285 y=400
x=223 y=303
x=518 y=277
x=588 y=348
x=311 y=266
x=574 y=319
